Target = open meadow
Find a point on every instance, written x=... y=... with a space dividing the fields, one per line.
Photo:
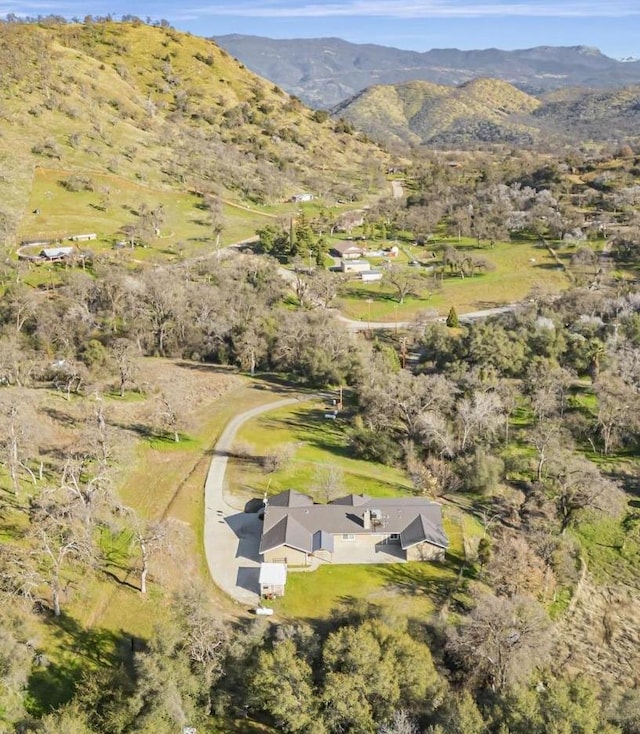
x=518 y=269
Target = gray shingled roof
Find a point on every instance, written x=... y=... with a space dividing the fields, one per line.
x=290 y=498
x=342 y=247
x=351 y=499
x=422 y=529
x=310 y=527
x=286 y=531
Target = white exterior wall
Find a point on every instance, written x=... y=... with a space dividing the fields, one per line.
x=355 y=266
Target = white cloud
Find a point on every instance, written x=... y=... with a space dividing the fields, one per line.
x=408 y=9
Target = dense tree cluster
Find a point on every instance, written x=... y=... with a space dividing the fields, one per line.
x=223 y=311
x=361 y=673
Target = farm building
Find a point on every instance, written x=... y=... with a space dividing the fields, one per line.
x=57 y=254
x=83 y=237
x=347 y=250
x=371 y=276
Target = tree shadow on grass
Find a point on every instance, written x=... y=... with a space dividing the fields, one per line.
x=419 y=580
x=363 y=293
x=630 y=483
x=78 y=651
x=311 y=426
x=148 y=433
x=61 y=416
x=548 y=266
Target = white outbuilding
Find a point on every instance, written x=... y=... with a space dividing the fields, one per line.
x=272 y=579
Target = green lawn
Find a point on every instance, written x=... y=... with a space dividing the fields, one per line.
x=316 y=443
x=403 y=589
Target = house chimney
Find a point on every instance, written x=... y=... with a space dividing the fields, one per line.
x=366 y=519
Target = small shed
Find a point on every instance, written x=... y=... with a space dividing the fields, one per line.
x=272 y=579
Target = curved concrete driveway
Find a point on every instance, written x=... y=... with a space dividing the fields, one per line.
x=231 y=536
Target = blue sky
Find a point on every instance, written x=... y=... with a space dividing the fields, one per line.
x=613 y=26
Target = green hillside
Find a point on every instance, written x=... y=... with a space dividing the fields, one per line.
x=424 y=112
x=491 y=111
x=123 y=104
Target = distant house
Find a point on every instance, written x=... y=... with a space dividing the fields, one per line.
x=348 y=221
x=347 y=250
x=355 y=266
x=57 y=254
x=298 y=198
x=352 y=529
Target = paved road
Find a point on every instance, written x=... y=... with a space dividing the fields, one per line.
x=231 y=536
x=353 y=325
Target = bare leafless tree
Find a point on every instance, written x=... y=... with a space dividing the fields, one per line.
x=502 y=640
x=328 y=481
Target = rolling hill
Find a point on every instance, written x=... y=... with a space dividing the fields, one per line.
x=491 y=111
x=163 y=110
x=325 y=71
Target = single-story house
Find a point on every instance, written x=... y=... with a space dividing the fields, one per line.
x=355 y=266
x=272 y=579
x=297 y=198
x=347 y=250
x=352 y=529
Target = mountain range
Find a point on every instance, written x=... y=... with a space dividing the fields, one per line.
x=323 y=72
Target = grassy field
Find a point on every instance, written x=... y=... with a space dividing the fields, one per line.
x=184 y=231
x=519 y=268
x=314 y=443
x=166 y=481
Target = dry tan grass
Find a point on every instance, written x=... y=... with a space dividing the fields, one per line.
x=600 y=636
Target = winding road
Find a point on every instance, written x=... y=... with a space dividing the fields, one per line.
x=354 y=326
x=232 y=536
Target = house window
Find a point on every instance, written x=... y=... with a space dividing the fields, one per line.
x=394 y=536
x=348 y=536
